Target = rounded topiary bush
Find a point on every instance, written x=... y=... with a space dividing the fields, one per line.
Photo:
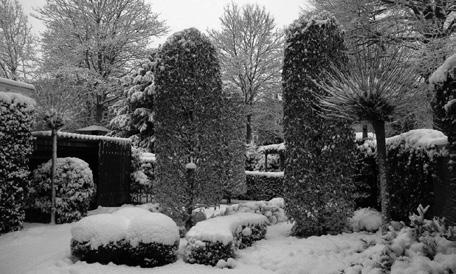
x=74 y=189
x=16 y=117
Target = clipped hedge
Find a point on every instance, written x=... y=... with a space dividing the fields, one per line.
x=263 y=185
x=131 y=236
x=16 y=117
x=219 y=238
x=414 y=161
x=74 y=188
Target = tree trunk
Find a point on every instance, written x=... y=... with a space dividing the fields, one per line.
x=248 y=138
x=191 y=186
x=365 y=135
x=379 y=128
x=99 y=112
x=53 y=171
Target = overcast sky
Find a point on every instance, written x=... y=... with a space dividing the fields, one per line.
x=202 y=14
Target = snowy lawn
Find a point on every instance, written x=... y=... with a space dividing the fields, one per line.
x=41 y=248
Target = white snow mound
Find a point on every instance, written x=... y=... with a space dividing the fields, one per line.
x=152 y=228
x=12 y=98
x=366 y=219
x=221 y=229
x=448 y=68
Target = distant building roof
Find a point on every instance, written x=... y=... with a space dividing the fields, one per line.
x=78 y=136
x=15 y=86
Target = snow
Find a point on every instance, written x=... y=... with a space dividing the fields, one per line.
x=449 y=106
x=13 y=83
x=12 y=98
x=448 y=68
x=70 y=135
x=190 y=166
x=367 y=219
x=359 y=135
x=264 y=173
x=147 y=157
x=272 y=148
x=133 y=224
x=221 y=229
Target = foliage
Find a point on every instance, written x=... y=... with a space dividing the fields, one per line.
x=320 y=152
x=233 y=178
x=16 y=41
x=188 y=124
x=134 y=112
x=263 y=185
x=267 y=121
x=142 y=174
x=115 y=34
x=250 y=49
x=16 y=118
x=413 y=172
x=74 y=189
x=122 y=252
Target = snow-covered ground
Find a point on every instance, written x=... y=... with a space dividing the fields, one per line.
x=41 y=248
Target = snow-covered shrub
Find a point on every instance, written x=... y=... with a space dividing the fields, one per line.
x=189 y=125
x=218 y=238
x=263 y=185
x=252 y=157
x=74 y=188
x=273 y=209
x=320 y=152
x=426 y=246
x=443 y=86
x=367 y=219
x=16 y=118
x=413 y=161
x=131 y=236
x=142 y=171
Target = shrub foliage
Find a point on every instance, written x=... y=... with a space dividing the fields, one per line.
x=263 y=185
x=320 y=152
x=188 y=124
x=16 y=116
x=74 y=189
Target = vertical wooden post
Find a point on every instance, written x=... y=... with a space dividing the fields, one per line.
x=53 y=171
x=266 y=161
x=365 y=135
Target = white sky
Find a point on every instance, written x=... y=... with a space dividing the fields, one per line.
x=202 y=14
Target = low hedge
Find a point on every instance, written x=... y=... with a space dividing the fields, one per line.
x=131 y=236
x=219 y=238
x=263 y=185
x=414 y=161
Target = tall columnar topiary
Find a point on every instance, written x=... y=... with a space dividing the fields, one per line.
x=233 y=144
x=320 y=152
x=443 y=84
x=188 y=124
x=16 y=116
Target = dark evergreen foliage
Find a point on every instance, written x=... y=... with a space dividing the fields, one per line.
x=320 y=152
x=188 y=124
x=262 y=187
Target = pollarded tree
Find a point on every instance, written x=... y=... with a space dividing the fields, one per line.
x=374 y=87
x=188 y=125
x=320 y=152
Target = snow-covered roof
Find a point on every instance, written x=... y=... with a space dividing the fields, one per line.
x=264 y=173
x=448 y=68
x=11 y=85
x=17 y=98
x=274 y=148
x=78 y=136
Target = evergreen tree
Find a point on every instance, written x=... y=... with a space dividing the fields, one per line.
x=320 y=152
x=188 y=126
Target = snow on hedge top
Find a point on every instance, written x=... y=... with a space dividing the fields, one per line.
x=272 y=148
x=147 y=157
x=133 y=224
x=264 y=173
x=448 y=68
x=417 y=138
x=14 y=99
x=221 y=229
x=78 y=136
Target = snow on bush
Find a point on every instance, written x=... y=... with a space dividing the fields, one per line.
x=74 y=188
x=131 y=235
x=218 y=238
x=367 y=219
x=426 y=246
x=414 y=161
x=16 y=118
x=142 y=167
x=447 y=69
x=274 y=209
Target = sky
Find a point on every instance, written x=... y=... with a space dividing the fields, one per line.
x=202 y=14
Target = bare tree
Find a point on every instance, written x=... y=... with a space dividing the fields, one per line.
x=250 y=49
x=373 y=90
x=104 y=37
x=16 y=41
